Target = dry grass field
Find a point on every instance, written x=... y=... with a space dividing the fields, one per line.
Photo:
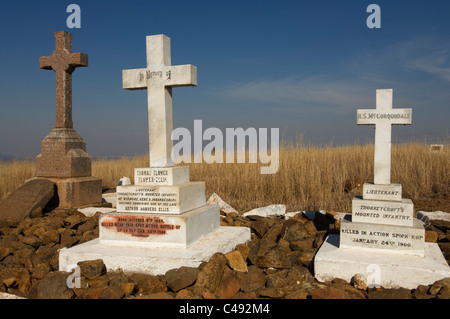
x=309 y=177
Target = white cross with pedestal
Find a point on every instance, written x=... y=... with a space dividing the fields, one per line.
x=381 y=240
x=159 y=78
x=383 y=118
x=162 y=221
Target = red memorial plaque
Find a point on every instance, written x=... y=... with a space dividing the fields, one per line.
x=138 y=226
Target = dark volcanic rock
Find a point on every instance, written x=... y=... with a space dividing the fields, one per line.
x=262 y=225
x=328 y=293
x=294 y=230
x=399 y=293
x=438 y=285
x=276 y=257
x=180 y=278
x=91 y=268
x=209 y=277
x=46 y=254
x=148 y=284
x=16 y=278
x=323 y=221
x=276 y=263
x=444 y=293
x=421 y=293
x=52 y=286
x=253 y=280
x=230 y=283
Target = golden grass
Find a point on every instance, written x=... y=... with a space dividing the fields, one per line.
x=309 y=177
x=313 y=178
x=13 y=174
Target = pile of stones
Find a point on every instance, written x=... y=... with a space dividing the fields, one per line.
x=438 y=231
x=276 y=263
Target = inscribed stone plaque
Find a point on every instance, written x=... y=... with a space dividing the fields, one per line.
x=394 y=116
x=161 y=176
x=408 y=240
x=160 y=199
x=383 y=212
x=392 y=192
x=151 y=229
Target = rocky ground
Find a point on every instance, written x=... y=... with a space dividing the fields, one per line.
x=276 y=263
x=434 y=202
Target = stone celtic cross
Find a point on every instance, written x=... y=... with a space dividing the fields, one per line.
x=383 y=118
x=63 y=61
x=159 y=78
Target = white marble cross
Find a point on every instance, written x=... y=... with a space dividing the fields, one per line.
x=383 y=117
x=159 y=78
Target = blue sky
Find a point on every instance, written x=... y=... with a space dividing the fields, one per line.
x=301 y=66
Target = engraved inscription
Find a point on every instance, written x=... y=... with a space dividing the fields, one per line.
x=152 y=176
x=382 y=116
x=383 y=238
x=147 y=200
x=153 y=74
x=394 y=213
x=382 y=192
x=138 y=226
x=150 y=75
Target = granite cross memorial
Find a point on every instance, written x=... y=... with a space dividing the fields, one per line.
x=63 y=62
x=163 y=209
x=382 y=230
x=63 y=157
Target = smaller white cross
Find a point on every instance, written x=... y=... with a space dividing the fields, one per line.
x=159 y=78
x=383 y=118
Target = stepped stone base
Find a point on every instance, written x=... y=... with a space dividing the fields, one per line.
x=160 y=229
x=388 y=269
x=79 y=191
x=63 y=155
x=154 y=260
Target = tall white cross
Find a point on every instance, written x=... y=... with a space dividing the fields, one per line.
x=159 y=78
x=383 y=118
